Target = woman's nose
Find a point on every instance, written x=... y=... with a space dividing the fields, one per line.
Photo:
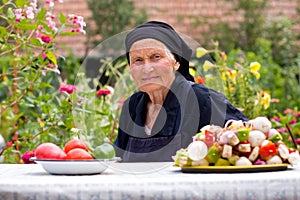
x=148 y=66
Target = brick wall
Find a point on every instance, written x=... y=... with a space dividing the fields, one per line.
x=183 y=15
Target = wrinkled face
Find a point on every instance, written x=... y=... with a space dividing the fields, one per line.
x=152 y=65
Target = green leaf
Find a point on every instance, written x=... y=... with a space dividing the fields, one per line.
x=4 y=1
x=46 y=27
x=51 y=56
x=297 y=125
x=20 y=3
x=62 y=18
x=68 y=34
x=17 y=116
x=10 y=14
x=3 y=31
x=36 y=41
x=41 y=14
x=45 y=85
x=26 y=26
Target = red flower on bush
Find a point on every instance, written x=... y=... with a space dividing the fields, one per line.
x=46 y=39
x=27 y=155
x=103 y=92
x=67 y=88
x=199 y=80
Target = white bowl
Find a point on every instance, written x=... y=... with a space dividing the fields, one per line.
x=75 y=167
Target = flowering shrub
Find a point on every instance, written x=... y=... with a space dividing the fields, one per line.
x=67 y=88
x=32 y=108
x=288 y=123
x=95 y=113
x=236 y=77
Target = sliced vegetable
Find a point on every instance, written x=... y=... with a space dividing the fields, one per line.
x=222 y=162
x=243 y=134
x=213 y=155
x=268 y=150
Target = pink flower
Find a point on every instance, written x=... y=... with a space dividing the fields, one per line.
x=282 y=130
x=77 y=22
x=297 y=140
x=27 y=155
x=50 y=3
x=50 y=21
x=103 y=92
x=67 y=88
x=275 y=100
x=298 y=114
x=289 y=111
x=293 y=121
x=44 y=55
x=18 y=14
x=9 y=144
x=46 y=39
x=40 y=27
x=29 y=12
x=277 y=119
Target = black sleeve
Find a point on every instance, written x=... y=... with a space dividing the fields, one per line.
x=122 y=138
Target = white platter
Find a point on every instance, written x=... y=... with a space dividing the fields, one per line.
x=75 y=167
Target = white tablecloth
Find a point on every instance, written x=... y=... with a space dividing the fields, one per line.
x=146 y=181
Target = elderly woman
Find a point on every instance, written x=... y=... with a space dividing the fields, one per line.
x=169 y=108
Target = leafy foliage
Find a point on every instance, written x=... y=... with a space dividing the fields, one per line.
x=33 y=111
x=288 y=123
x=237 y=77
x=273 y=41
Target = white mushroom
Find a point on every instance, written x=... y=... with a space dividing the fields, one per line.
x=261 y=123
x=274 y=160
x=294 y=158
x=256 y=138
x=197 y=150
x=202 y=162
x=243 y=161
x=283 y=151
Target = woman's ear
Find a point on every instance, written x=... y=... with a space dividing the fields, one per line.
x=176 y=65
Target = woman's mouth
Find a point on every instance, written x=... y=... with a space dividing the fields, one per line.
x=150 y=78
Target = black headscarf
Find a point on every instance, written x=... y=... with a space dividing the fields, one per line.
x=167 y=35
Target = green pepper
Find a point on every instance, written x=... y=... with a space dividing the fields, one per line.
x=212 y=155
x=243 y=134
x=222 y=162
x=276 y=137
x=232 y=160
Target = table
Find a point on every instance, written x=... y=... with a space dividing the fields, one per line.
x=146 y=181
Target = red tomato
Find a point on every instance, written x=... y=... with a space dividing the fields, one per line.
x=49 y=151
x=79 y=154
x=209 y=138
x=267 y=151
x=291 y=150
x=75 y=143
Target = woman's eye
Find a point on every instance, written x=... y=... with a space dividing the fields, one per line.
x=156 y=57
x=137 y=60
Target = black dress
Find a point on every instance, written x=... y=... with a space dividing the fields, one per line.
x=187 y=108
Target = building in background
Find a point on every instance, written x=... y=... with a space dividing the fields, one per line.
x=190 y=17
